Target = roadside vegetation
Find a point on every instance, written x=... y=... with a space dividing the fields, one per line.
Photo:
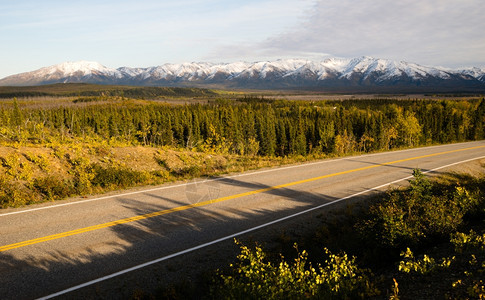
x=92 y=144
x=425 y=241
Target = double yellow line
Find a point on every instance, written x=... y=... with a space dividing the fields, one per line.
x=222 y=199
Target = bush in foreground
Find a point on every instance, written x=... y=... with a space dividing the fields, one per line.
x=256 y=277
x=408 y=217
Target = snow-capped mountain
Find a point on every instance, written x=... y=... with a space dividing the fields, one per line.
x=356 y=73
x=81 y=71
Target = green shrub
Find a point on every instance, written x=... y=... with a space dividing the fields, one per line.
x=421 y=266
x=83 y=173
x=39 y=160
x=407 y=217
x=255 y=277
x=15 y=194
x=470 y=241
x=117 y=177
x=191 y=171
x=161 y=175
x=466 y=201
x=15 y=168
x=471 y=245
x=477 y=291
x=53 y=187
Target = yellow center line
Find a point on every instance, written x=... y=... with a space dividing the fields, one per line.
x=222 y=199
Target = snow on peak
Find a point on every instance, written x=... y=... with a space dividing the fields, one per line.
x=70 y=68
x=353 y=69
x=474 y=72
x=343 y=68
x=78 y=68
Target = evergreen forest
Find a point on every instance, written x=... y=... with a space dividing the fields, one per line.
x=250 y=126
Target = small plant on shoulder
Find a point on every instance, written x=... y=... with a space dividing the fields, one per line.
x=255 y=277
x=472 y=244
x=420 y=185
x=422 y=266
x=470 y=241
x=467 y=201
x=477 y=290
x=395 y=290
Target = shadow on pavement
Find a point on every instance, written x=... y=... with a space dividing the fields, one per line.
x=149 y=239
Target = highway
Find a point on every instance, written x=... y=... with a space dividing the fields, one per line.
x=57 y=249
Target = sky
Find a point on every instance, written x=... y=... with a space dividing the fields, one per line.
x=143 y=33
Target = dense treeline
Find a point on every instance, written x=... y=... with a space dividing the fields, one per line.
x=82 y=89
x=256 y=126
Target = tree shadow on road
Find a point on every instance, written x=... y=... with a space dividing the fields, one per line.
x=155 y=237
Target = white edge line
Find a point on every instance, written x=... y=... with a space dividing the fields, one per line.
x=237 y=234
x=225 y=177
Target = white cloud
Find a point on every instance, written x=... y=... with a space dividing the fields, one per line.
x=436 y=32
x=150 y=32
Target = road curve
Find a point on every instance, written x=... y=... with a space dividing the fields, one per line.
x=52 y=249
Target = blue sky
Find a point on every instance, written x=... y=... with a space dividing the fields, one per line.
x=145 y=33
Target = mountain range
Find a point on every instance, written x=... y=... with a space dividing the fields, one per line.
x=333 y=74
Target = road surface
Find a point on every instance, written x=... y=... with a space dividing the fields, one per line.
x=59 y=249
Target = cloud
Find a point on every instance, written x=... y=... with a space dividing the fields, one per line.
x=150 y=32
x=436 y=32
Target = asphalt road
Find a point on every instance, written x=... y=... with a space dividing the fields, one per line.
x=80 y=243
